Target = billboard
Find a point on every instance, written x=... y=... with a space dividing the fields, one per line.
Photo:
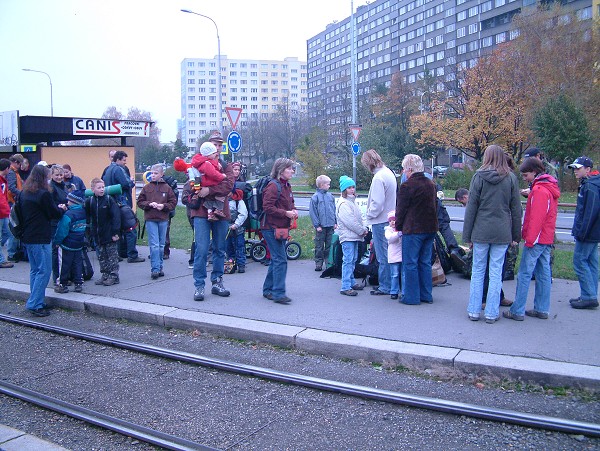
x=9 y=128
x=110 y=127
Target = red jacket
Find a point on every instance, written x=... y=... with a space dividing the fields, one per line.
x=541 y=211
x=4 y=207
x=210 y=169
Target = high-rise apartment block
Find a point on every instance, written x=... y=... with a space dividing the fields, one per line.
x=413 y=37
x=259 y=87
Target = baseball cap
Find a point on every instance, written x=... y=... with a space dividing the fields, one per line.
x=534 y=151
x=581 y=162
x=216 y=136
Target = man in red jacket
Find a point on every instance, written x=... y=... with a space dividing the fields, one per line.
x=4 y=211
x=539 y=225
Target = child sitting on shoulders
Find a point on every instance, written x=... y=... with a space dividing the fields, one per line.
x=394 y=238
x=206 y=164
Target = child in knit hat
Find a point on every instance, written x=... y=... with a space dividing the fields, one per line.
x=70 y=237
x=351 y=230
x=207 y=164
x=394 y=238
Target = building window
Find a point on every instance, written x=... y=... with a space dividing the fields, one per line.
x=473 y=11
x=486 y=42
x=461 y=16
x=500 y=38
x=487 y=6
x=473 y=28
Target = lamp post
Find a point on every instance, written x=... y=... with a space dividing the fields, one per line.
x=219 y=89
x=50 y=80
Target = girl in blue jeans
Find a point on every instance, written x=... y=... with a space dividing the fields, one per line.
x=351 y=230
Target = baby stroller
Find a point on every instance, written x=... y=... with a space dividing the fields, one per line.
x=256 y=246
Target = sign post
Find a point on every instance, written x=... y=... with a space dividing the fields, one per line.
x=355 y=129
x=234 y=140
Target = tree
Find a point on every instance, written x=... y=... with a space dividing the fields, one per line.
x=310 y=154
x=562 y=129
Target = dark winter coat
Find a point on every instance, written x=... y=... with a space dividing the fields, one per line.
x=105 y=218
x=38 y=210
x=416 y=206
x=586 y=225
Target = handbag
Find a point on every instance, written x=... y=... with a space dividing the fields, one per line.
x=438 y=277
x=282 y=233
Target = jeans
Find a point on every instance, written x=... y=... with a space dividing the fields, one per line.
x=534 y=260
x=275 y=281
x=157 y=232
x=127 y=243
x=416 y=267
x=40 y=269
x=349 y=256
x=167 y=249
x=71 y=266
x=12 y=246
x=381 y=245
x=395 y=270
x=203 y=228
x=585 y=264
x=496 y=261
x=322 y=244
x=4 y=236
x=236 y=247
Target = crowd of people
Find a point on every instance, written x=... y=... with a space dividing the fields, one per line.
x=403 y=215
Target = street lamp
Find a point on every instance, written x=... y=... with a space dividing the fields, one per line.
x=49 y=79
x=219 y=89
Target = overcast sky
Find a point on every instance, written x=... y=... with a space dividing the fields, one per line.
x=125 y=53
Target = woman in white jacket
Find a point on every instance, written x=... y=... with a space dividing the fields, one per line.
x=351 y=230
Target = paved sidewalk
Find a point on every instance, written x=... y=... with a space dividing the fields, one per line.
x=15 y=440
x=563 y=350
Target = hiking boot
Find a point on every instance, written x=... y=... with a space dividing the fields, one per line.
x=510 y=315
x=241 y=269
x=268 y=296
x=588 y=304
x=199 y=294
x=6 y=265
x=319 y=268
x=110 y=281
x=218 y=288
x=489 y=320
x=13 y=260
x=161 y=274
x=357 y=287
x=349 y=293
x=506 y=302
x=101 y=280
x=474 y=316
x=78 y=288
x=154 y=275
x=536 y=314
x=40 y=312
x=378 y=292
x=61 y=288
x=394 y=296
x=136 y=260
x=574 y=300
x=166 y=256
x=283 y=300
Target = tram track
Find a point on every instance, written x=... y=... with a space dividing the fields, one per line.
x=524 y=419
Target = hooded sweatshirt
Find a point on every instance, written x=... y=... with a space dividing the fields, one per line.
x=541 y=211
x=493 y=214
x=586 y=225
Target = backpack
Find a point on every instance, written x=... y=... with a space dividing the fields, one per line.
x=247 y=190
x=172 y=182
x=15 y=220
x=255 y=207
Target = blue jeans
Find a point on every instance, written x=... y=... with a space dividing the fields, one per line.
x=395 y=270
x=585 y=264
x=480 y=258
x=12 y=246
x=275 y=281
x=534 y=260
x=381 y=245
x=203 y=229
x=416 y=267
x=236 y=247
x=157 y=233
x=349 y=256
x=40 y=269
x=4 y=236
x=127 y=243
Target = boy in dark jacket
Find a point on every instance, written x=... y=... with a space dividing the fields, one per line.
x=69 y=238
x=105 y=219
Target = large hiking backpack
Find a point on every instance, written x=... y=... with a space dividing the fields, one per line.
x=362 y=269
x=247 y=190
x=255 y=207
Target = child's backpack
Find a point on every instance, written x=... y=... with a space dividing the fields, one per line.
x=255 y=209
x=247 y=190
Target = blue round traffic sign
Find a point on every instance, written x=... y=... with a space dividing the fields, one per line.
x=355 y=148
x=234 y=141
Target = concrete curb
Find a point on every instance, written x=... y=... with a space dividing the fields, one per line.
x=14 y=440
x=332 y=344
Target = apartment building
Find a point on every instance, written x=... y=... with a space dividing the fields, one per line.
x=259 y=87
x=413 y=37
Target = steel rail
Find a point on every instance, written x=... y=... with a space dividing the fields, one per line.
x=99 y=419
x=439 y=405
